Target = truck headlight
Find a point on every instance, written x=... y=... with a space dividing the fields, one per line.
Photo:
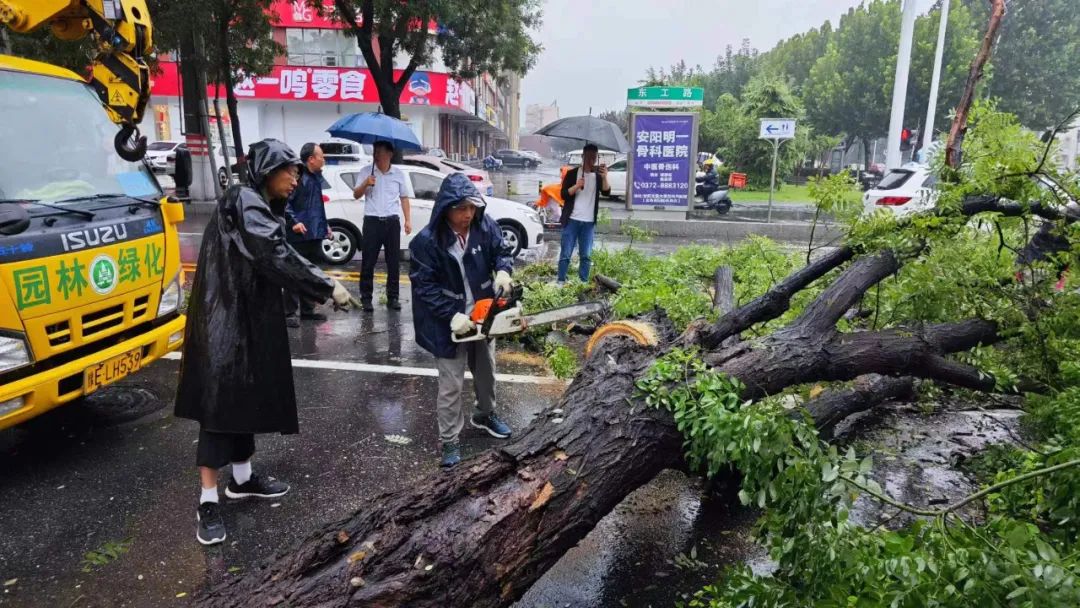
x=13 y=353
x=170 y=298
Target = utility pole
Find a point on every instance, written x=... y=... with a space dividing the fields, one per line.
x=903 y=67
x=931 y=111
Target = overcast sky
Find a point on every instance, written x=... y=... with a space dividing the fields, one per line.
x=596 y=49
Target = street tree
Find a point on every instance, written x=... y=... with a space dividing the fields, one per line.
x=232 y=41
x=41 y=45
x=619 y=117
x=732 y=129
x=795 y=57
x=846 y=89
x=471 y=37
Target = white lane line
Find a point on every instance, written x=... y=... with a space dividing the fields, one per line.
x=370 y=368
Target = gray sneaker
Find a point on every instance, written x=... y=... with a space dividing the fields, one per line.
x=451 y=454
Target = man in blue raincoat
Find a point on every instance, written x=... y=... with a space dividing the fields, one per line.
x=459 y=258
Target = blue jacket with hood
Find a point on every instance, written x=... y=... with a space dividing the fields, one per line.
x=438 y=288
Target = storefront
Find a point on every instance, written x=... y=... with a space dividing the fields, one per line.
x=321 y=77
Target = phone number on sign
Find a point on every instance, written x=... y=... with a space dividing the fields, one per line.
x=684 y=186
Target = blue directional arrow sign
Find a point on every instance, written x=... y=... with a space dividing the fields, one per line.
x=777 y=128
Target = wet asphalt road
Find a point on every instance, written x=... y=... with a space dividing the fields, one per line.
x=98 y=498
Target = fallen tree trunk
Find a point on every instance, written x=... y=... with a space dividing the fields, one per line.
x=481 y=534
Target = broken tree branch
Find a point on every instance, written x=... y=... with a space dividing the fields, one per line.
x=832 y=407
x=774 y=302
x=959 y=126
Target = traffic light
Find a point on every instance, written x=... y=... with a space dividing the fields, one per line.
x=905 y=139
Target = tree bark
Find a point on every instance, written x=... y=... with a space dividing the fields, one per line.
x=482 y=533
x=832 y=407
x=959 y=126
x=230 y=96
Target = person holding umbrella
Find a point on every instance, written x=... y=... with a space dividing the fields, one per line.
x=582 y=186
x=581 y=190
x=387 y=191
x=236 y=374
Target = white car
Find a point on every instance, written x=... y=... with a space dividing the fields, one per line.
x=616 y=177
x=903 y=191
x=604 y=157
x=343 y=151
x=158 y=156
x=446 y=167
x=521 y=225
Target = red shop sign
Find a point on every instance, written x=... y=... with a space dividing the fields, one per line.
x=332 y=84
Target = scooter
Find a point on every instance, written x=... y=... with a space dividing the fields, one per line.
x=718 y=201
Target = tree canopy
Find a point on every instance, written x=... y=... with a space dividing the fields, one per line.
x=473 y=37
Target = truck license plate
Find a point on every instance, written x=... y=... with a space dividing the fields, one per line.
x=112 y=370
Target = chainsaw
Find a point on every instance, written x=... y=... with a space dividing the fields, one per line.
x=502 y=315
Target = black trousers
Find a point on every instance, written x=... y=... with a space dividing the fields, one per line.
x=219 y=449
x=312 y=250
x=381 y=233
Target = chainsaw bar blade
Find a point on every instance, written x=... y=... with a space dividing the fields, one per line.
x=564 y=313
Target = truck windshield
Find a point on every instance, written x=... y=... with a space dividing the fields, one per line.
x=58 y=144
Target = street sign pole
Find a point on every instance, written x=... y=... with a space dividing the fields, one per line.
x=772 y=182
x=775 y=129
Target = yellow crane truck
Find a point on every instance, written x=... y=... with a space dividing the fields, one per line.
x=90 y=274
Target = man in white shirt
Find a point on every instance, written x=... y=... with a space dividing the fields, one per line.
x=386 y=190
x=581 y=189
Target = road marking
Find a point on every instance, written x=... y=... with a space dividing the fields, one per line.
x=369 y=368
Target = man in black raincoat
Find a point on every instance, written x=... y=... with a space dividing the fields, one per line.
x=236 y=375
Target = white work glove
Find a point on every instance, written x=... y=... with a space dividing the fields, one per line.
x=343 y=300
x=461 y=324
x=503 y=282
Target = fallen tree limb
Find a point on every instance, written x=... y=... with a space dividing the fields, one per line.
x=775 y=302
x=607 y=283
x=832 y=407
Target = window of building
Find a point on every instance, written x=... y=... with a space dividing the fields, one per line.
x=313 y=47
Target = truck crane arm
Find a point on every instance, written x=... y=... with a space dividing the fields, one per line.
x=119 y=74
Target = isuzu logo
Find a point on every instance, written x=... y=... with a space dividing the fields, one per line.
x=92 y=237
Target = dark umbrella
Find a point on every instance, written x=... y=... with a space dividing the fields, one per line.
x=590 y=130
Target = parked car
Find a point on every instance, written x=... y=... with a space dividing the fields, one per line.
x=223 y=178
x=520 y=225
x=903 y=191
x=513 y=158
x=534 y=155
x=605 y=157
x=342 y=151
x=616 y=177
x=160 y=153
x=446 y=167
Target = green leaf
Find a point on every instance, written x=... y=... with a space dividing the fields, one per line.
x=1016 y=593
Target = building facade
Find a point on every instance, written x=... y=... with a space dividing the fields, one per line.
x=538 y=115
x=322 y=76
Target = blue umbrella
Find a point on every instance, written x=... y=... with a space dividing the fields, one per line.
x=370 y=127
